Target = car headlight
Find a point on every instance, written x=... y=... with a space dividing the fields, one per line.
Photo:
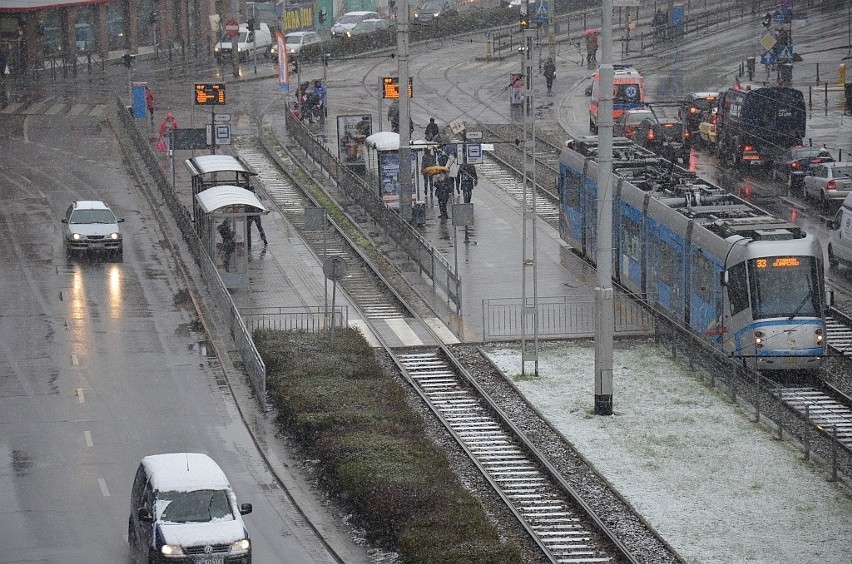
x=76 y=236
x=115 y=236
x=171 y=550
x=242 y=546
x=217 y=49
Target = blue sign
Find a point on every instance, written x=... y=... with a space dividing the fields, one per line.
x=540 y=12
x=140 y=108
x=785 y=54
x=767 y=58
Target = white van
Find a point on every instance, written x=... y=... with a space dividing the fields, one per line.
x=247 y=43
x=840 y=235
x=348 y=20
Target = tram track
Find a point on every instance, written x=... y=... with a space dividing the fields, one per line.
x=561 y=524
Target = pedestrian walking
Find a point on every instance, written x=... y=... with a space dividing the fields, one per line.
x=591 y=49
x=166 y=126
x=229 y=243
x=149 y=102
x=431 y=130
x=453 y=165
x=549 y=73
x=427 y=161
x=443 y=190
x=255 y=218
x=468 y=179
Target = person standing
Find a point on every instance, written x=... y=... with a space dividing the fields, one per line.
x=229 y=243
x=428 y=160
x=549 y=73
x=431 y=130
x=592 y=49
x=468 y=180
x=443 y=190
x=149 y=102
x=453 y=165
x=168 y=124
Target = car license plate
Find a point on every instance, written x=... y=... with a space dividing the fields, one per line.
x=97 y=245
x=210 y=560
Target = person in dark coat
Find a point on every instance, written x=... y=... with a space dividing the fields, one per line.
x=431 y=130
x=149 y=102
x=428 y=182
x=549 y=73
x=229 y=243
x=444 y=191
x=468 y=179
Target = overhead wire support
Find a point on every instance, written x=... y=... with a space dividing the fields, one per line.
x=529 y=280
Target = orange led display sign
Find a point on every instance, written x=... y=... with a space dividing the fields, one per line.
x=777 y=262
x=390 y=87
x=209 y=94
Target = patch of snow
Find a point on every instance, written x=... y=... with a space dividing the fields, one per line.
x=711 y=481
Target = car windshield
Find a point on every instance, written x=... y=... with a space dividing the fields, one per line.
x=91 y=216
x=365 y=26
x=807 y=152
x=349 y=19
x=295 y=39
x=199 y=506
x=433 y=6
x=637 y=117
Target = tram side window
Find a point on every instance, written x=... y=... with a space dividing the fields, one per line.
x=630 y=243
x=702 y=278
x=737 y=288
x=572 y=190
x=669 y=268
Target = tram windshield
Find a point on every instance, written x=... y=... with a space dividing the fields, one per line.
x=784 y=287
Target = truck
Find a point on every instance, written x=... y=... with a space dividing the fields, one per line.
x=258 y=41
x=755 y=124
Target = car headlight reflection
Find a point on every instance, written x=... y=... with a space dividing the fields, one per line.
x=242 y=546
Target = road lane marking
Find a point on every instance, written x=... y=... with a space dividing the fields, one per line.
x=88 y=435
x=77 y=109
x=104 y=489
x=402 y=330
x=74 y=360
x=80 y=397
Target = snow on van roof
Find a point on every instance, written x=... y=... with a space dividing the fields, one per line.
x=184 y=472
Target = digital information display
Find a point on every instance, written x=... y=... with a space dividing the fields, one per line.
x=777 y=262
x=390 y=87
x=209 y=94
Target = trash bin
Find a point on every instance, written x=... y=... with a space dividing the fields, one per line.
x=750 y=68
x=418 y=214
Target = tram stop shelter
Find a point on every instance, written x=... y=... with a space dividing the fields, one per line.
x=223 y=225
x=382 y=166
x=217 y=170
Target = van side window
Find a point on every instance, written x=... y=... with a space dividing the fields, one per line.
x=138 y=486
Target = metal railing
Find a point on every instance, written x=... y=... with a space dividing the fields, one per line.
x=561 y=317
x=297 y=318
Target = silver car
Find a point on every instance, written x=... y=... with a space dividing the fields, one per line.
x=294 y=41
x=828 y=182
x=91 y=226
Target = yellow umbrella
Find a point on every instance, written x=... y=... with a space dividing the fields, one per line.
x=435 y=169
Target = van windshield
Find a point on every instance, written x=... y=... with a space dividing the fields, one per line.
x=628 y=93
x=199 y=506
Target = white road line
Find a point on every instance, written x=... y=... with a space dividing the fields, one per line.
x=11 y=108
x=77 y=109
x=88 y=435
x=104 y=489
x=55 y=109
x=404 y=332
x=74 y=360
x=98 y=110
x=80 y=396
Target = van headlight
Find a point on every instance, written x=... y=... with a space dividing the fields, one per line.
x=114 y=236
x=242 y=546
x=76 y=236
x=171 y=550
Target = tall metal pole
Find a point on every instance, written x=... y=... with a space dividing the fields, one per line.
x=529 y=282
x=235 y=40
x=404 y=115
x=603 y=255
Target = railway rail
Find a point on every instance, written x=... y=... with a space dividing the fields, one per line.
x=560 y=523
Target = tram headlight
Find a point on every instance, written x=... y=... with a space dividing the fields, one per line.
x=819 y=336
x=758 y=339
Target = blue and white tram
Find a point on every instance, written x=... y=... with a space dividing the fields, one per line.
x=747 y=282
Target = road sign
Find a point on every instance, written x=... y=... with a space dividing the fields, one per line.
x=768 y=41
x=221 y=118
x=457 y=126
x=473 y=134
x=334 y=268
x=221 y=133
x=473 y=153
x=232 y=28
x=767 y=58
x=785 y=54
x=540 y=11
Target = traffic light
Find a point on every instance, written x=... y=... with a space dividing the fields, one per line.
x=767 y=19
x=295 y=65
x=321 y=16
x=153 y=18
x=251 y=24
x=524 y=22
x=128 y=60
x=325 y=58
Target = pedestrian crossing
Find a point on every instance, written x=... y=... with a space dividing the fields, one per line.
x=52 y=107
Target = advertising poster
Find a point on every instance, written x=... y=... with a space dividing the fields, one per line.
x=283 y=69
x=517 y=91
x=389 y=177
x=352 y=130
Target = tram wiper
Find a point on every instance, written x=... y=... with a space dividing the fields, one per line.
x=807 y=297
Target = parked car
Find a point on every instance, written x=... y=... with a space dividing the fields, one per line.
x=248 y=42
x=694 y=108
x=294 y=41
x=828 y=182
x=664 y=136
x=365 y=27
x=91 y=226
x=183 y=509
x=628 y=121
x=796 y=162
x=348 y=20
x=431 y=10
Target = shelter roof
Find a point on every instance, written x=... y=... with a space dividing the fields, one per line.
x=204 y=164
x=219 y=197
